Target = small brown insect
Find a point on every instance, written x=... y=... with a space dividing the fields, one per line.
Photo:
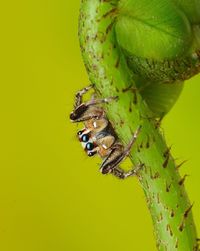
x=98 y=136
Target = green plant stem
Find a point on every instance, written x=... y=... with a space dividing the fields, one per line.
x=164 y=188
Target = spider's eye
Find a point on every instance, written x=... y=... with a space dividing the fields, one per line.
x=90 y=154
x=89 y=146
x=79 y=133
x=85 y=138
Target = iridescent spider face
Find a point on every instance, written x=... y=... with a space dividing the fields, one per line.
x=88 y=143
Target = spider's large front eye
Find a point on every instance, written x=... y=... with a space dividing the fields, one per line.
x=89 y=146
x=85 y=138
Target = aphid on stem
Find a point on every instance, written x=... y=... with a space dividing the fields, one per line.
x=98 y=136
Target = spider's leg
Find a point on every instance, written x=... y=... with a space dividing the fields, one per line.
x=85 y=111
x=118 y=154
x=122 y=174
x=100 y=101
x=79 y=96
x=87 y=117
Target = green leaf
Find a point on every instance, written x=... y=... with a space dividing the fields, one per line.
x=152 y=29
x=161 y=97
x=191 y=8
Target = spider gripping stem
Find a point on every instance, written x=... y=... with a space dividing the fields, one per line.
x=117 y=155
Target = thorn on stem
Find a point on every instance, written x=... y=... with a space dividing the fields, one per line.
x=188 y=211
x=148 y=142
x=180 y=165
x=185 y=215
x=167 y=152
x=117 y=62
x=182 y=181
x=172 y=213
x=158 y=198
x=160 y=217
x=168 y=186
x=169 y=229
x=181 y=227
x=176 y=244
x=166 y=161
x=155 y=176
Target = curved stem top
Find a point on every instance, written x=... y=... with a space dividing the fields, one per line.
x=107 y=69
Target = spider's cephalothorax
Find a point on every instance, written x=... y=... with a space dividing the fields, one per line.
x=98 y=136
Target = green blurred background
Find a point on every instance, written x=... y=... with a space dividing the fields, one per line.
x=52 y=197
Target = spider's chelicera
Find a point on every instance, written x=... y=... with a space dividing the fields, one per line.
x=98 y=135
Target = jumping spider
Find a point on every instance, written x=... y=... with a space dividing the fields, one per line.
x=98 y=136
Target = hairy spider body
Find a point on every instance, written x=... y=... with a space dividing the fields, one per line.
x=98 y=135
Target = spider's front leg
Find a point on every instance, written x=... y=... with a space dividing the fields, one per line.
x=116 y=156
x=87 y=110
x=79 y=96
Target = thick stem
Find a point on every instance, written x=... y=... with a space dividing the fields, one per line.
x=164 y=188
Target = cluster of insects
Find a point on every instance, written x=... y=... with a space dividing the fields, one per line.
x=98 y=136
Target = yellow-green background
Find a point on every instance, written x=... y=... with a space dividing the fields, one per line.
x=52 y=197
